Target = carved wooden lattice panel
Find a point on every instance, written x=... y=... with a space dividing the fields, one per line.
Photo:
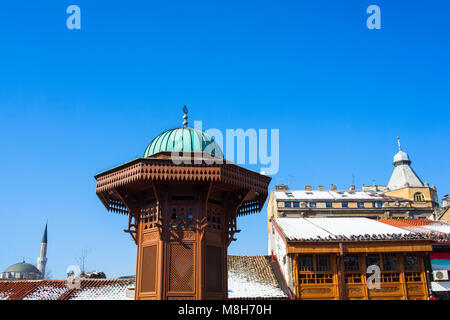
x=182 y=217
x=214 y=217
x=148 y=269
x=181 y=264
x=213 y=270
x=149 y=217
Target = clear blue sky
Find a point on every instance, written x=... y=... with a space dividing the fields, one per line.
x=74 y=103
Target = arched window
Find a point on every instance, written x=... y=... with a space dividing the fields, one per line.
x=418 y=196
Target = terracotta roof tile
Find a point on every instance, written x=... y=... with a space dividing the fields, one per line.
x=98 y=289
x=429 y=228
x=102 y=289
x=252 y=277
x=17 y=289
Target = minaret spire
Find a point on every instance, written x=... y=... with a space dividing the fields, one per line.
x=185 y=123
x=42 y=259
x=44 y=237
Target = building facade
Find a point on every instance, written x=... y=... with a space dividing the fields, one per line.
x=437 y=263
x=405 y=196
x=349 y=258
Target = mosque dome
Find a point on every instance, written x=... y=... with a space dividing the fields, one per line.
x=185 y=139
x=23 y=267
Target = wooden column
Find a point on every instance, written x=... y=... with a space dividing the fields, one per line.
x=340 y=272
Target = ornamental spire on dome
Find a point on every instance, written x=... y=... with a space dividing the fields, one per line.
x=403 y=175
x=185 y=110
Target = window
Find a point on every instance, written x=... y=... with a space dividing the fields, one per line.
x=314 y=269
x=344 y=204
x=353 y=278
x=289 y=194
x=287 y=204
x=388 y=266
x=323 y=263
x=418 y=196
x=360 y=204
x=413 y=277
x=351 y=263
x=390 y=262
x=412 y=268
x=411 y=262
x=296 y=204
x=312 y=204
x=305 y=263
x=352 y=273
x=373 y=259
x=329 y=205
x=374 y=204
x=379 y=204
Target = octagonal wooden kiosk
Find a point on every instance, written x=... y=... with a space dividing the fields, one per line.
x=182 y=218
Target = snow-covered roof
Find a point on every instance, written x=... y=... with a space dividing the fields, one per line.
x=436 y=230
x=89 y=289
x=439 y=227
x=341 y=229
x=107 y=291
x=252 y=277
x=328 y=195
x=47 y=290
x=240 y=286
x=248 y=277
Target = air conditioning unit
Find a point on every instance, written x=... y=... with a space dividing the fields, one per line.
x=440 y=275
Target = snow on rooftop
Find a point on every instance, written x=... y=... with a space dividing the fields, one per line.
x=112 y=291
x=46 y=292
x=240 y=286
x=338 y=228
x=90 y=289
x=439 y=227
x=299 y=228
x=355 y=226
x=330 y=195
x=4 y=295
x=435 y=230
x=252 y=277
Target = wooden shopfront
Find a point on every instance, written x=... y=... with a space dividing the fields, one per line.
x=332 y=270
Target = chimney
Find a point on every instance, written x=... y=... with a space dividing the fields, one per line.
x=281 y=187
x=308 y=188
x=352 y=187
x=333 y=187
x=321 y=188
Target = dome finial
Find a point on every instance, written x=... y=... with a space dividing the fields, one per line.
x=399 y=146
x=185 y=110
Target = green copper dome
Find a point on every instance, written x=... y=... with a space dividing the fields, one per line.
x=183 y=140
x=22 y=267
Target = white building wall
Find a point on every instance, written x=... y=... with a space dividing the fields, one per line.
x=277 y=247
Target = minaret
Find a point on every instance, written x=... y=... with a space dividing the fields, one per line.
x=42 y=260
